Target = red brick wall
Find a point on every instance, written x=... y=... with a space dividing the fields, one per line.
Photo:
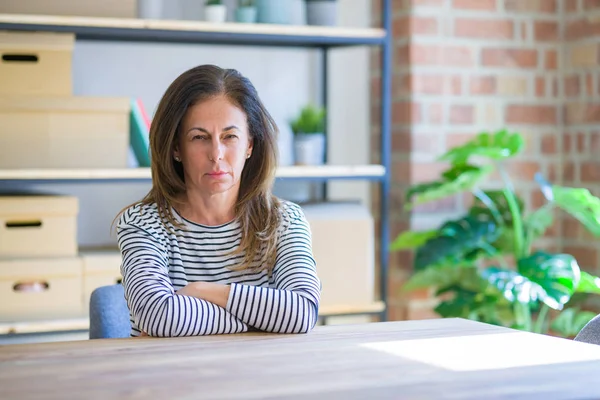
x=464 y=66
x=581 y=139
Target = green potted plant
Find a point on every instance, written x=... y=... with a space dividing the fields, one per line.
x=485 y=265
x=309 y=136
x=246 y=11
x=215 y=11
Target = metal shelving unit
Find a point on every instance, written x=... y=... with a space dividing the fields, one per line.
x=321 y=38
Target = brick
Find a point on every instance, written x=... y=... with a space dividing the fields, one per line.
x=456 y=85
x=545 y=31
x=404 y=26
x=531 y=6
x=571 y=228
x=402 y=55
x=589 y=85
x=499 y=57
x=523 y=169
x=404 y=112
x=549 y=144
x=589 y=5
x=594 y=147
x=445 y=205
x=408 y=142
x=540 y=87
x=531 y=114
x=427 y=84
x=400 y=85
x=457 y=56
x=458 y=139
x=482 y=5
x=461 y=114
x=511 y=85
x=435 y=113
x=584 y=55
x=427 y=2
x=572 y=86
x=582 y=113
x=551 y=60
x=487 y=114
x=586 y=257
x=482 y=84
x=569 y=172
x=484 y=28
x=582 y=28
x=571 y=5
x=590 y=172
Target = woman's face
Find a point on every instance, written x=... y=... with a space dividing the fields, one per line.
x=214 y=144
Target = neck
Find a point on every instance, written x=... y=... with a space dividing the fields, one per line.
x=208 y=209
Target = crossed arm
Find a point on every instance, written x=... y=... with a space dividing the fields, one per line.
x=203 y=308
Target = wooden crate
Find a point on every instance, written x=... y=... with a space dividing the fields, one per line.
x=38 y=226
x=343 y=247
x=36 y=63
x=100 y=268
x=64 y=132
x=40 y=289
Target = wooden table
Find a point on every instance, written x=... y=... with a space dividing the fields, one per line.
x=434 y=359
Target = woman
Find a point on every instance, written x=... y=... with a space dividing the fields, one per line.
x=209 y=249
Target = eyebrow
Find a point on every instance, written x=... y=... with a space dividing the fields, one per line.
x=197 y=128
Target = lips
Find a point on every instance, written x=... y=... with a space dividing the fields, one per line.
x=217 y=173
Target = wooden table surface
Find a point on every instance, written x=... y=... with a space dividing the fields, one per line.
x=433 y=359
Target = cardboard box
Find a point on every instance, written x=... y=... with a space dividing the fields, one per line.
x=100 y=268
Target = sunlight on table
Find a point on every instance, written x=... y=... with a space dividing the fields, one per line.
x=494 y=351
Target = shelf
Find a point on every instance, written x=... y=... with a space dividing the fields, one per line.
x=141 y=30
x=324 y=172
x=83 y=323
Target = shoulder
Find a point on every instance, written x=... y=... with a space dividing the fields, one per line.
x=292 y=216
x=142 y=216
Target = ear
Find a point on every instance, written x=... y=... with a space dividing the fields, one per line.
x=176 y=154
x=250 y=147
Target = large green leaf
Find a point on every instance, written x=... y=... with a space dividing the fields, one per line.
x=537 y=223
x=557 y=274
x=498 y=203
x=588 y=284
x=479 y=305
x=456 y=180
x=458 y=241
x=496 y=146
x=570 y=321
x=514 y=286
x=581 y=204
x=411 y=239
x=446 y=275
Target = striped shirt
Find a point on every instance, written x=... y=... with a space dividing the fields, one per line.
x=158 y=262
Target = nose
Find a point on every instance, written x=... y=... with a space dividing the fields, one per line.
x=216 y=150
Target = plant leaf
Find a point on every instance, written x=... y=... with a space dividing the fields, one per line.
x=570 y=321
x=499 y=201
x=537 y=223
x=496 y=146
x=588 y=284
x=456 y=180
x=557 y=274
x=581 y=204
x=411 y=239
x=445 y=275
x=514 y=286
x=458 y=241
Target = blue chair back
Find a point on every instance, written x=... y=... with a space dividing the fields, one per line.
x=590 y=333
x=109 y=315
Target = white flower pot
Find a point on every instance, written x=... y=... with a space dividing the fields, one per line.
x=216 y=13
x=309 y=149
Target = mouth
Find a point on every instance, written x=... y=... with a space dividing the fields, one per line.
x=217 y=173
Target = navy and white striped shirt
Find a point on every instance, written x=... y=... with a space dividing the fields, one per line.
x=156 y=263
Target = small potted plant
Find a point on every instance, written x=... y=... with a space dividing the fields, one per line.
x=215 y=11
x=309 y=136
x=246 y=11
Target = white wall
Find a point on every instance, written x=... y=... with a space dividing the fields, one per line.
x=285 y=78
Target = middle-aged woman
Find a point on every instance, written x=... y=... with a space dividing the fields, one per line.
x=210 y=249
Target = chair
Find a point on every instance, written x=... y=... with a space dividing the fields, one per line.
x=109 y=315
x=590 y=333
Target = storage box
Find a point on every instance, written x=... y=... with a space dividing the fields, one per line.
x=38 y=226
x=343 y=247
x=87 y=8
x=69 y=132
x=100 y=268
x=35 y=63
x=41 y=289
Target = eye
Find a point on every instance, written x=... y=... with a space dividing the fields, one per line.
x=199 y=137
x=231 y=136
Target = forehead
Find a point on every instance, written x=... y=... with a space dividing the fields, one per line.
x=214 y=112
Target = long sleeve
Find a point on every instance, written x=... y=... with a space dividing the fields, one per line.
x=153 y=304
x=292 y=306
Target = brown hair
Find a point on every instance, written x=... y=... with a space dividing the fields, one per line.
x=256 y=209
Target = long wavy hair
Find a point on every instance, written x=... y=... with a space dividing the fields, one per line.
x=256 y=208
